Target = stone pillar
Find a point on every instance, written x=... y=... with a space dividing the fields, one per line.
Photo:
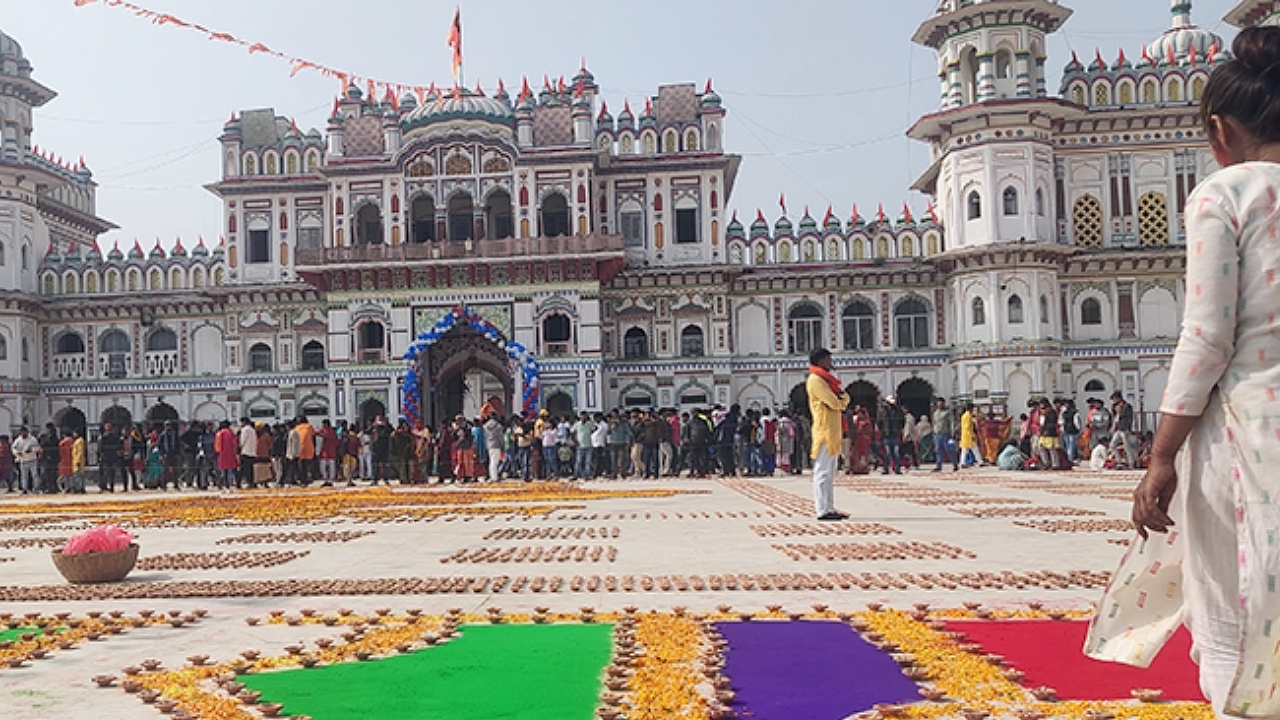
x=986 y=77
x=1024 y=74
x=955 y=90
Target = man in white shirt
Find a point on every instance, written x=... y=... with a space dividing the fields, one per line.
x=248 y=441
x=26 y=453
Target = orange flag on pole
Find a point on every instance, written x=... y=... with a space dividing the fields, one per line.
x=455 y=42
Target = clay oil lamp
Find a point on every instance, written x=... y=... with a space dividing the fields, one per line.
x=308 y=661
x=890 y=711
x=150 y=664
x=148 y=696
x=932 y=694
x=104 y=681
x=131 y=686
x=270 y=709
x=248 y=697
x=1148 y=695
x=251 y=621
x=1098 y=715
x=1044 y=693
x=294 y=649
x=971 y=713
x=363 y=654
x=132 y=670
x=198 y=660
x=875 y=606
x=166 y=705
x=17 y=661
x=1028 y=714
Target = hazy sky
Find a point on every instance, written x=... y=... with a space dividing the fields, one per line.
x=819 y=93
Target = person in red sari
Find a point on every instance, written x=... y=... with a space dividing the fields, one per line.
x=993 y=430
x=863 y=435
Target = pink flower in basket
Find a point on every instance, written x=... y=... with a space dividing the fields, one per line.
x=98 y=539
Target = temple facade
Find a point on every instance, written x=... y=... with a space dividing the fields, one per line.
x=598 y=259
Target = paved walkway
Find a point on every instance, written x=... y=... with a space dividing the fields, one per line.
x=1003 y=539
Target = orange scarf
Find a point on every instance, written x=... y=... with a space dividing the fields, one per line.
x=832 y=381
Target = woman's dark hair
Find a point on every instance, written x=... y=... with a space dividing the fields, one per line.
x=1247 y=87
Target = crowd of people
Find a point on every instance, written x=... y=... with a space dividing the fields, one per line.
x=621 y=443
x=225 y=455
x=1051 y=434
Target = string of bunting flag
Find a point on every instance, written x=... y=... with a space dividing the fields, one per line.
x=375 y=87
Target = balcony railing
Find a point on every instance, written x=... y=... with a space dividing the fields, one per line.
x=375 y=355
x=66 y=367
x=557 y=349
x=161 y=362
x=450 y=250
x=115 y=365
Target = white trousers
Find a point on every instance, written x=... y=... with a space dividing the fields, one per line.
x=824 y=475
x=495 y=464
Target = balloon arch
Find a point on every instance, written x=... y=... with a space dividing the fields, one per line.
x=519 y=355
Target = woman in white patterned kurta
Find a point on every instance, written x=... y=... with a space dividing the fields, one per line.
x=1216 y=562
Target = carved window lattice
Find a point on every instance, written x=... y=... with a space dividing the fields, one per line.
x=497 y=165
x=1087 y=221
x=457 y=165
x=1101 y=95
x=1149 y=91
x=422 y=167
x=1153 y=220
x=1126 y=94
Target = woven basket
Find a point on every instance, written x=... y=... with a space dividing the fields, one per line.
x=96 y=567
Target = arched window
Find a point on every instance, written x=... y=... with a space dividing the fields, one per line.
x=369 y=225
x=2 y=254
x=859 y=321
x=804 y=328
x=461 y=214
x=1149 y=92
x=422 y=218
x=557 y=334
x=69 y=343
x=911 y=318
x=162 y=340
x=1153 y=220
x=1090 y=312
x=635 y=344
x=116 y=346
x=691 y=342
x=250 y=165
x=1086 y=220
x=1015 y=310
x=979 y=312
x=1040 y=202
x=115 y=341
x=371 y=341
x=1095 y=386
x=1010 y=201
x=1044 y=309
x=313 y=356
x=26 y=351
x=554 y=215
x=497 y=215
x=260 y=358
x=1004 y=65
x=1101 y=94
x=4 y=348
x=975 y=205
x=26 y=257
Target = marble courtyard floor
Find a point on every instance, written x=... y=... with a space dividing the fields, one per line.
x=943 y=595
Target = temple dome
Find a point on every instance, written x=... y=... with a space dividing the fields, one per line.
x=1182 y=36
x=460 y=106
x=12 y=62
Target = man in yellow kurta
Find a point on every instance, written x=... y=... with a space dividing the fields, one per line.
x=827 y=402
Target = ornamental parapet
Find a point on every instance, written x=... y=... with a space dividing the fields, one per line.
x=539 y=247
